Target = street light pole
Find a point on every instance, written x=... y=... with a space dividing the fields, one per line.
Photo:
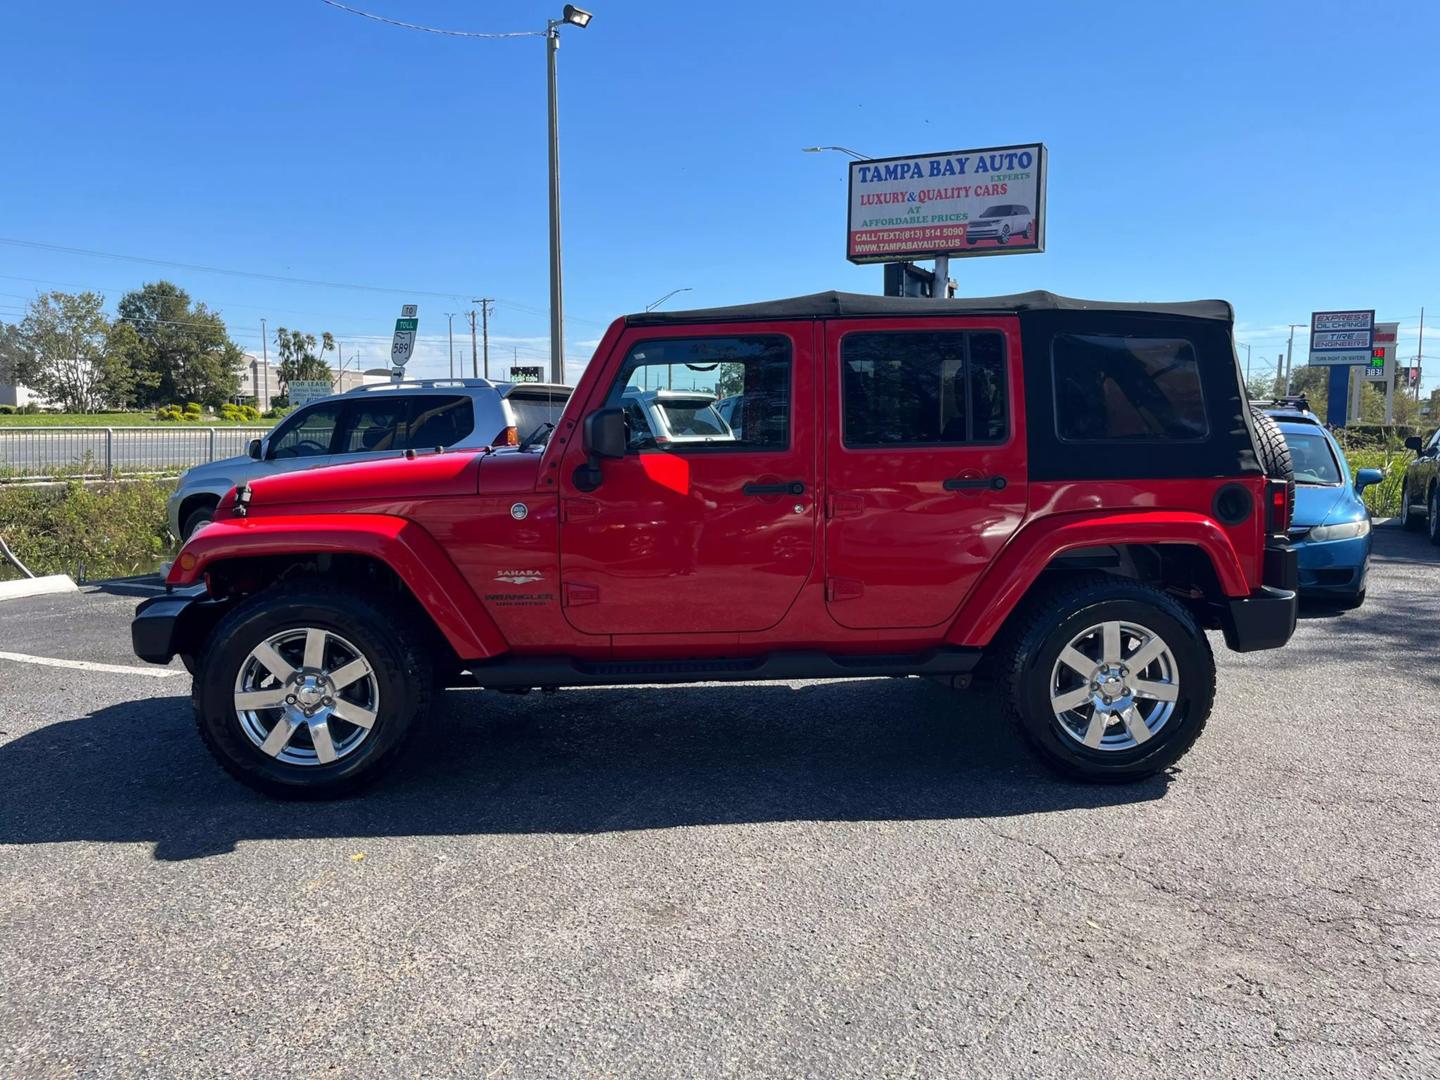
x=557 y=316
x=573 y=16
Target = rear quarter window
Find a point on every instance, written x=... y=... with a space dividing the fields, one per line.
x=1117 y=388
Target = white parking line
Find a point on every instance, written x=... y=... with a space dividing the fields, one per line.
x=87 y=665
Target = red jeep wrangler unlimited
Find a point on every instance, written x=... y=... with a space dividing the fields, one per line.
x=825 y=487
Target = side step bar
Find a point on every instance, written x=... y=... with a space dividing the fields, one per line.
x=523 y=672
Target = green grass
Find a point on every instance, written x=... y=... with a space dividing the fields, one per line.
x=88 y=531
x=135 y=419
x=1383 y=498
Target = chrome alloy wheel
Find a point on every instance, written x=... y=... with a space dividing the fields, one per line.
x=1114 y=686
x=306 y=697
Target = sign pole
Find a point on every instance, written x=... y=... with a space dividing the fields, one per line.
x=941 y=287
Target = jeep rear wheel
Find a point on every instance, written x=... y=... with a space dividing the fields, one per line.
x=311 y=691
x=1109 y=680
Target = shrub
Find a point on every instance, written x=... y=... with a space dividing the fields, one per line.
x=7 y=410
x=192 y=408
x=30 y=408
x=91 y=531
x=169 y=413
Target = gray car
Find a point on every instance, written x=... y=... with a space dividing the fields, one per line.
x=370 y=422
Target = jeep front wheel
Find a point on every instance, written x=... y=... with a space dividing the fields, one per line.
x=311 y=691
x=1109 y=680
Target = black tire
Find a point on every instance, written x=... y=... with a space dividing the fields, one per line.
x=1408 y=518
x=1049 y=623
x=1432 y=515
x=390 y=641
x=1274 y=454
x=195 y=519
x=1004 y=236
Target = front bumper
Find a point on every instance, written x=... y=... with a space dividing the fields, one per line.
x=1333 y=567
x=176 y=623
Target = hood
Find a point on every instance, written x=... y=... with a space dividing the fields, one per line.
x=219 y=470
x=399 y=477
x=1315 y=505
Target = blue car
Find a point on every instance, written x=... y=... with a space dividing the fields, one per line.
x=1331 y=526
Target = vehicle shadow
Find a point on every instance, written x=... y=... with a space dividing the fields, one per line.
x=579 y=761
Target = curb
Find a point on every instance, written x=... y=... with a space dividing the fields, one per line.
x=37 y=586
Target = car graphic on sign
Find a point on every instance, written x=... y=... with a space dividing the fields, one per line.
x=1000 y=222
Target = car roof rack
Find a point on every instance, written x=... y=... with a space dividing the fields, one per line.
x=1297 y=402
x=422 y=384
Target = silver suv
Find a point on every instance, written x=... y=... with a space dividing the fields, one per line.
x=373 y=421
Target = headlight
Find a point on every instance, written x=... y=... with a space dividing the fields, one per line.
x=1345 y=530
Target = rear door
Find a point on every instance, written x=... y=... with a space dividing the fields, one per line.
x=924 y=464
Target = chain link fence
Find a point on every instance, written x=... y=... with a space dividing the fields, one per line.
x=47 y=453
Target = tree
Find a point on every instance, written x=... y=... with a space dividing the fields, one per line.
x=13 y=358
x=179 y=352
x=298 y=359
x=62 y=352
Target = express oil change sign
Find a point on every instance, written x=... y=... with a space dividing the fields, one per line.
x=965 y=202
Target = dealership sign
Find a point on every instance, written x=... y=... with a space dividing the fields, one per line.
x=1341 y=337
x=965 y=202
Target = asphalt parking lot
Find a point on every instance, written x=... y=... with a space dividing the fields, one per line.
x=861 y=879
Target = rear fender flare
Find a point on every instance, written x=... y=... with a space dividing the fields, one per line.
x=1035 y=546
x=406 y=548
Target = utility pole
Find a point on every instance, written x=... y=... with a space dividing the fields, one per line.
x=474 y=353
x=450 y=319
x=265 y=352
x=485 y=303
x=1419 y=354
x=1247 y=370
x=1289 y=347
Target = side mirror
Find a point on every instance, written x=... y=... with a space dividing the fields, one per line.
x=1413 y=443
x=1365 y=477
x=603 y=437
x=254 y=449
x=605 y=434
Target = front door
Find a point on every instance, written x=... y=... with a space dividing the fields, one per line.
x=925 y=464
x=706 y=524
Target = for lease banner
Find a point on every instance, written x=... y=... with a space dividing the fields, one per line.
x=959 y=203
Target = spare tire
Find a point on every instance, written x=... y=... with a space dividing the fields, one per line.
x=1274 y=455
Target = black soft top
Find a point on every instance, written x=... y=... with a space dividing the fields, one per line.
x=823 y=305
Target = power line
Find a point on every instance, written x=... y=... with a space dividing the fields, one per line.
x=221 y=270
x=431 y=29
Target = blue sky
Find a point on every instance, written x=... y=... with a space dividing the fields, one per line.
x=1280 y=155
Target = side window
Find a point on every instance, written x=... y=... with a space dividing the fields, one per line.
x=374 y=424
x=669 y=388
x=925 y=388
x=1111 y=387
x=310 y=433
x=439 y=421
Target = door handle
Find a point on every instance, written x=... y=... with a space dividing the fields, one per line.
x=974 y=483
x=793 y=487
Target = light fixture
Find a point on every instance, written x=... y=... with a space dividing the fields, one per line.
x=576 y=16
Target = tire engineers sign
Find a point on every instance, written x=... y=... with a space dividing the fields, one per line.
x=1341 y=337
x=960 y=203
x=403 y=344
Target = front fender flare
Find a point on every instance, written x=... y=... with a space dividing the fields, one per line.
x=1031 y=550
x=402 y=545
